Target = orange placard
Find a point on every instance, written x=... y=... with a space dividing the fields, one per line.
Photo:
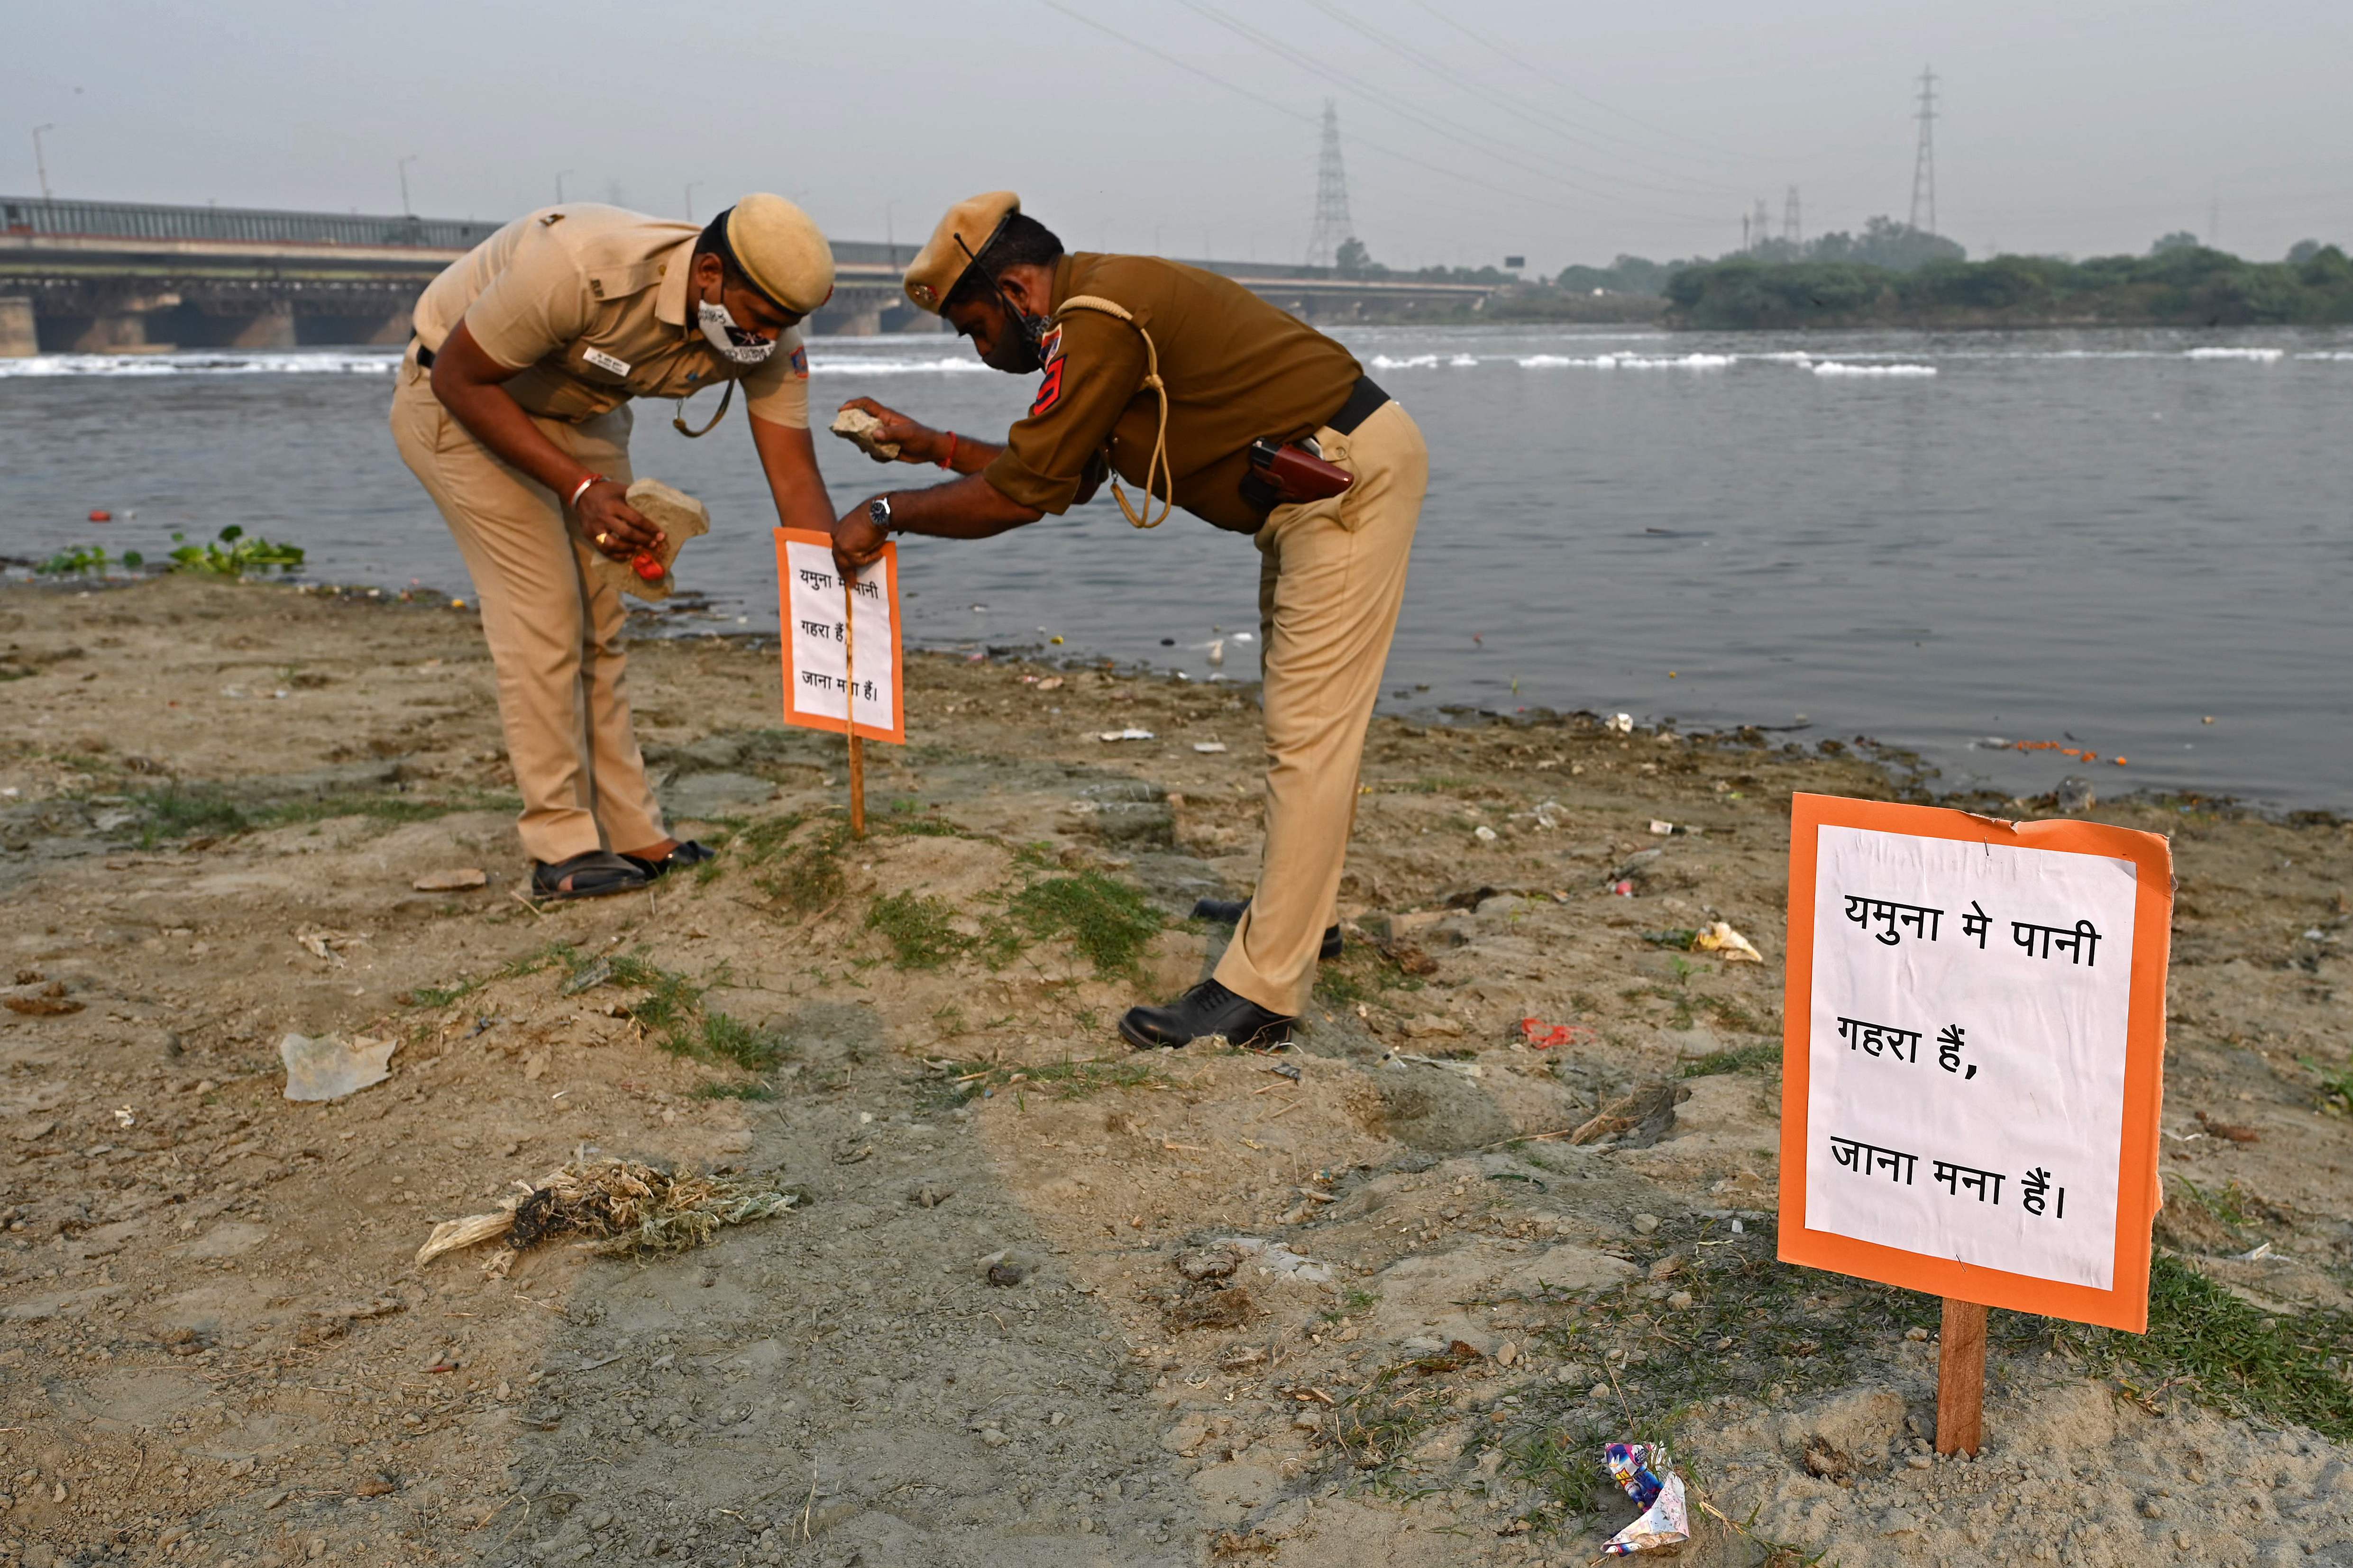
x=817 y=621
x=1973 y=1055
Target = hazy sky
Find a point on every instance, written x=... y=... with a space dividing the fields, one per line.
x=1566 y=132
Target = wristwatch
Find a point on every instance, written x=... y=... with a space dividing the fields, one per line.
x=878 y=508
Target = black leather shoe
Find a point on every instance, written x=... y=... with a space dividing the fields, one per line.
x=1229 y=911
x=1207 y=1009
x=694 y=852
x=594 y=875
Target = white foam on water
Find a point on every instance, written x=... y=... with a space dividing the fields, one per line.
x=1418 y=362
x=198 y=362
x=2260 y=356
x=1626 y=361
x=1786 y=356
x=1834 y=367
x=1463 y=362
x=861 y=364
x=2332 y=354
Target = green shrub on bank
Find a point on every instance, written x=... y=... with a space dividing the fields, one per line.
x=2185 y=285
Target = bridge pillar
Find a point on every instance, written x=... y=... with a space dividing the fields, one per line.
x=121 y=332
x=18 y=338
x=862 y=319
x=272 y=327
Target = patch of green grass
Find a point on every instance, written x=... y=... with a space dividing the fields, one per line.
x=1109 y=923
x=529 y=963
x=394 y=809
x=964 y=1082
x=2227 y=1203
x=920 y=928
x=1379 y=1423
x=2226 y=1352
x=1361 y=973
x=803 y=872
x=175 y=812
x=1739 y=1058
x=2335 y=1089
x=672 y=1011
x=751 y=1092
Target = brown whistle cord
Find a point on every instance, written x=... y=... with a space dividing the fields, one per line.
x=1158 y=465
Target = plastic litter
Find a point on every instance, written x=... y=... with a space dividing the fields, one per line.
x=1623 y=724
x=331 y=1067
x=1642 y=1471
x=1483 y=834
x=1130 y=734
x=1543 y=1036
x=1661 y=829
x=1277 y=1258
x=1208 y=748
x=1720 y=938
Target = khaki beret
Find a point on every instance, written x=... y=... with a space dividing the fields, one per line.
x=931 y=276
x=782 y=251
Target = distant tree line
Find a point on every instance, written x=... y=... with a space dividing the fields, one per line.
x=1892 y=274
x=2179 y=283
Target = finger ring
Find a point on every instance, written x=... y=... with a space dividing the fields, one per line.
x=604 y=539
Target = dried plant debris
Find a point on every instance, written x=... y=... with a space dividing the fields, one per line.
x=627 y=1206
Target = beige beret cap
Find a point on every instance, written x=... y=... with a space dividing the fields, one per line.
x=782 y=251
x=933 y=275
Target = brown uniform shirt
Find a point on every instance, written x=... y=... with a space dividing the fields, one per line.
x=589 y=303
x=1236 y=369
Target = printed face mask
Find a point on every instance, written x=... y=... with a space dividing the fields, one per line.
x=741 y=346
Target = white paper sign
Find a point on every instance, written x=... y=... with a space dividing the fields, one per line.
x=1967 y=1050
x=820 y=670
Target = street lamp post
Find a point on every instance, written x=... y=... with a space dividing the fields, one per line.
x=405 y=210
x=691 y=186
x=42 y=158
x=559 y=185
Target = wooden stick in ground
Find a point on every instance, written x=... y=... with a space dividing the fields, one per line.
x=1960 y=1378
x=849 y=708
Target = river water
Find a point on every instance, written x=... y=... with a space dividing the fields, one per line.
x=2134 y=543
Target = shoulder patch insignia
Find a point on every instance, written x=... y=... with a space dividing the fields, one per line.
x=1049 y=344
x=1050 y=390
x=800 y=363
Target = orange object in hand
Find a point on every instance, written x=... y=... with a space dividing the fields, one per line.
x=648 y=566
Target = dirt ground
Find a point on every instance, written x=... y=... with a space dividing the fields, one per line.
x=1376 y=1299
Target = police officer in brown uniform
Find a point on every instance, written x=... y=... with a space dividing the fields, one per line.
x=1206 y=397
x=513 y=409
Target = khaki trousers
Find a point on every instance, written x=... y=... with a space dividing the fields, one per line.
x=555 y=630
x=1330 y=583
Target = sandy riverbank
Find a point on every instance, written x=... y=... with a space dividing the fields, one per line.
x=221 y=1351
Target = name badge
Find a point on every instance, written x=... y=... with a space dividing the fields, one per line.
x=604 y=361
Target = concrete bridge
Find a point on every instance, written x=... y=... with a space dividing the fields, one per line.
x=130 y=278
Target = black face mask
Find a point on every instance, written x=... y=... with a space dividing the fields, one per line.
x=1018 y=350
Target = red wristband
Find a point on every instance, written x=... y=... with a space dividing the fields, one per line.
x=949 y=461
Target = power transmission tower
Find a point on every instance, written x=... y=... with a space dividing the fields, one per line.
x=1760 y=226
x=1333 y=228
x=1923 y=164
x=1792 y=231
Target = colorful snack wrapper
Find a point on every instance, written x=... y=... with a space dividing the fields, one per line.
x=1642 y=1471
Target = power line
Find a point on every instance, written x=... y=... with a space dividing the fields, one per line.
x=1572 y=89
x=1455 y=175
x=1510 y=103
x=1452 y=131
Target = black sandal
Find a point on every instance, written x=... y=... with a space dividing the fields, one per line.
x=594 y=875
x=694 y=852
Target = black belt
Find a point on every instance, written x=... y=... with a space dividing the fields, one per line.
x=1365 y=400
x=424 y=358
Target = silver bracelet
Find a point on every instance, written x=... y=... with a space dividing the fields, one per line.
x=582 y=488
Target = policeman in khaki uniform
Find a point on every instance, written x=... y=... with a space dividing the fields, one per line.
x=1206 y=397
x=513 y=409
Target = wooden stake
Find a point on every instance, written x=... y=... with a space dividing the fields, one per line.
x=849 y=708
x=1960 y=1378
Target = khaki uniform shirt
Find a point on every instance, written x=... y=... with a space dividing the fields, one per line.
x=589 y=303
x=1236 y=369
